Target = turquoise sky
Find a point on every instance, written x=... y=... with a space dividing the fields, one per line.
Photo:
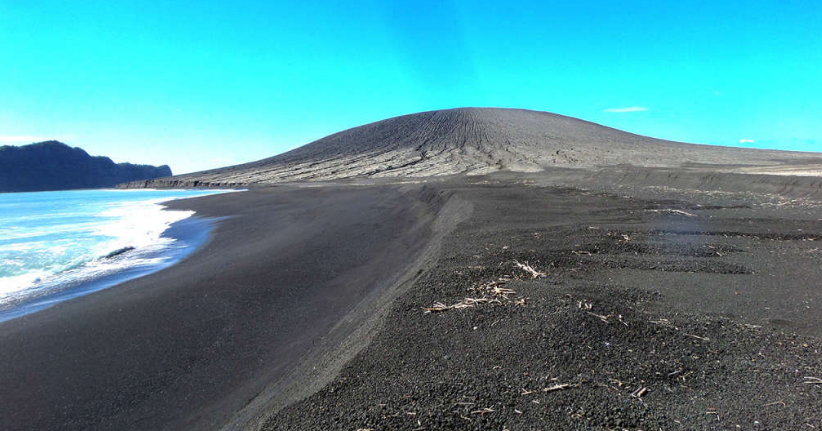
x=199 y=84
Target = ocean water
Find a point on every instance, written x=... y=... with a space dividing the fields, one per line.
x=59 y=245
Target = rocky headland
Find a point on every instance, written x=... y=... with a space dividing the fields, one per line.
x=53 y=165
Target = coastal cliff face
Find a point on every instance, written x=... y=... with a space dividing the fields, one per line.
x=52 y=165
x=475 y=141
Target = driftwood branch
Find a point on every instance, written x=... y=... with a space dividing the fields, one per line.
x=559 y=387
x=673 y=211
x=529 y=269
x=813 y=381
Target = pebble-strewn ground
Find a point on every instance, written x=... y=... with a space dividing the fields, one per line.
x=638 y=314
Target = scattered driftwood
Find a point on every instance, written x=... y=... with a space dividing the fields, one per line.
x=465 y=303
x=673 y=211
x=619 y=383
x=559 y=387
x=604 y=319
x=665 y=322
x=529 y=269
x=639 y=392
x=494 y=288
x=437 y=307
x=483 y=412
x=683 y=213
x=501 y=291
x=698 y=337
x=813 y=381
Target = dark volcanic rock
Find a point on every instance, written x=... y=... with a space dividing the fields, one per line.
x=53 y=165
x=119 y=251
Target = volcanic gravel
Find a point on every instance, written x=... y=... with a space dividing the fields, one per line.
x=582 y=347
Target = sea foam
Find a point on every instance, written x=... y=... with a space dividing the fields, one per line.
x=53 y=242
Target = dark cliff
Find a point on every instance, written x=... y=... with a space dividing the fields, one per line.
x=53 y=165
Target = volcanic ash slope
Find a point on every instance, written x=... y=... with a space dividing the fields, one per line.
x=477 y=141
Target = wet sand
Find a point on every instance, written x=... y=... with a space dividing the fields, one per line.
x=190 y=346
x=657 y=306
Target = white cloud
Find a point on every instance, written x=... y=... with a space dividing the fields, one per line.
x=628 y=109
x=746 y=141
x=20 y=139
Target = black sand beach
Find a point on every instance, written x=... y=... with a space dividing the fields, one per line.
x=652 y=308
x=190 y=346
x=698 y=313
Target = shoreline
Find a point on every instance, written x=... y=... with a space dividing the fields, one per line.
x=306 y=310
x=192 y=232
x=190 y=346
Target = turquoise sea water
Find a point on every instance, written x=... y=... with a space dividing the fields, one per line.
x=59 y=245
